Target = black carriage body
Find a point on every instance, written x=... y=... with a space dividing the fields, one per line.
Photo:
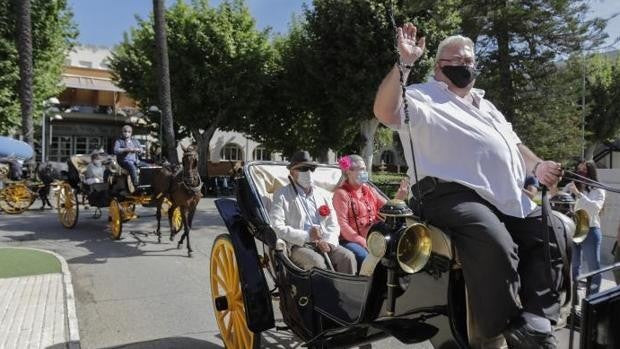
x=330 y=309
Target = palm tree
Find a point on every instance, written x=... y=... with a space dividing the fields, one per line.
x=24 y=48
x=163 y=73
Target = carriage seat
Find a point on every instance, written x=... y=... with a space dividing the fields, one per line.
x=268 y=178
x=80 y=163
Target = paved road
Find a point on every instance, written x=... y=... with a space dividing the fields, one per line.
x=135 y=293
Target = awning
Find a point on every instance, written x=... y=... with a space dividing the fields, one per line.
x=90 y=83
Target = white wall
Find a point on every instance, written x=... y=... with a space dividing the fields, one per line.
x=610 y=217
x=81 y=55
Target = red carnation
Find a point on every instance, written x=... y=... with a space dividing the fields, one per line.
x=324 y=211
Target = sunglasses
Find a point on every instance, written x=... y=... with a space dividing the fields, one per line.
x=305 y=168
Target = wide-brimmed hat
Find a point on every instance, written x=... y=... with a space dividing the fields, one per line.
x=301 y=158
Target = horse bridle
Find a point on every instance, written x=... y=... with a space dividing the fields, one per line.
x=188 y=178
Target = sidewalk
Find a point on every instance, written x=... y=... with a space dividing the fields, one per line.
x=37 y=305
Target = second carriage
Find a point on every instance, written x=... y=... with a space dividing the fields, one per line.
x=116 y=192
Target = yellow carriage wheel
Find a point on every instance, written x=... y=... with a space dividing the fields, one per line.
x=68 y=208
x=116 y=219
x=176 y=220
x=16 y=198
x=227 y=296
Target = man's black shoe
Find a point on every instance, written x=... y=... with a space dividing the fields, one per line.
x=521 y=336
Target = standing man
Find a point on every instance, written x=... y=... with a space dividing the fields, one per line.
x=127 y=150
x=472 y=167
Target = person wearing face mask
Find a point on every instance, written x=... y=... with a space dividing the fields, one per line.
x=302 y=214
x=471 y=167
x=357 y=205
x=127 y=150
x=94 y=170
x=591 y=200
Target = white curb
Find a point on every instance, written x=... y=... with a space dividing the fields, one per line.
x=72 y=325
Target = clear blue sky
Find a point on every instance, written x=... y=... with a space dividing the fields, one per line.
x=102 y=22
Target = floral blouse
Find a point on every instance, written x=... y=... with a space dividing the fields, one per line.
x=357 y=210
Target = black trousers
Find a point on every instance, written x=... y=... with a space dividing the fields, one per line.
x=503 y=257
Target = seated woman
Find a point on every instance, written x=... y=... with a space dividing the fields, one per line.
x=94 y=171
x=357 y=204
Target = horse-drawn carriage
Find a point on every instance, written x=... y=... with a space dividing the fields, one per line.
x=410 y=287
x=116 y=192
x=16 y=192
x=325 y=308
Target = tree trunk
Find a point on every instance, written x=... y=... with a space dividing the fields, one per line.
x=589 y=152
x=506 y=93
x=163 y=73
x=24 y=48
x=368 y=128
x=203 y=139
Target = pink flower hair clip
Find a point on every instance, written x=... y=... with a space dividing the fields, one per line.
x=344 y=162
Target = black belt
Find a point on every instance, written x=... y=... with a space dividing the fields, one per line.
x=428 y=185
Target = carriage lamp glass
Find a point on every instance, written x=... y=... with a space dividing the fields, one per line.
x=377 y=245
x=414 y=248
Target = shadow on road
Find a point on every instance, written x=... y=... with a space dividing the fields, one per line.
x=170 y=343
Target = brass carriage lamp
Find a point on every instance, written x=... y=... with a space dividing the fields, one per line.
x=401 y=246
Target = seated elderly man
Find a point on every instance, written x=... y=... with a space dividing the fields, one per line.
x=302 y=214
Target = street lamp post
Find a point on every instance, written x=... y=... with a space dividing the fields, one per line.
x=155 y=109
x=50 y=107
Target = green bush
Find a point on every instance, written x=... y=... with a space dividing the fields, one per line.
x=387 y=182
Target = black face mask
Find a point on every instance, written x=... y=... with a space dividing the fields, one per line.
x=460 y=75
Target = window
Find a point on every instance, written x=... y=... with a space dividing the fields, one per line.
x=60 y=150
x=261 y=153
x=86 y=145
x=85 y=64
x=231 y=152
x=387 y=157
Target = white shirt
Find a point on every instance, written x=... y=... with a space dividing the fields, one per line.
x=592 y=202
x=289 y=218
x=457 y=142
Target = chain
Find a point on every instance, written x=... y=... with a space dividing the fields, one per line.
x=403 y=88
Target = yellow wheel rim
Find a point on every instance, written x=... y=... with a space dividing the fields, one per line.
x=67 y=206
x=225 y=283
x=16 y=198
x=116 y=222
x=176 y=221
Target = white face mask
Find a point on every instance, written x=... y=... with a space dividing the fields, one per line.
x=304 y=179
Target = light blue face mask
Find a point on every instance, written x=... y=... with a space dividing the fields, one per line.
x=362 y=177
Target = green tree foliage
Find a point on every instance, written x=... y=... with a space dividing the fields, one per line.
x=53 y=35
x=518 y=45
x=602 y=97
x=218 y=62
x=332 y=62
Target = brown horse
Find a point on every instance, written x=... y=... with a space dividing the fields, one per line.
x=182 y=188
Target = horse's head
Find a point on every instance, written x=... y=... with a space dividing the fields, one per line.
x=190 y=157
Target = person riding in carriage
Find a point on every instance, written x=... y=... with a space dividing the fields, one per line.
x=303 y=215
x=127 y=150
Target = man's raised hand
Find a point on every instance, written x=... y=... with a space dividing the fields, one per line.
x=410 y=49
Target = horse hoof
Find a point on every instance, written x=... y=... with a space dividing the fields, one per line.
x=159 y=240
x=178 y=246
x=189 y=254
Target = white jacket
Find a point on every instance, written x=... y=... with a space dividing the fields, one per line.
x=288 y=216
x=592 y=201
